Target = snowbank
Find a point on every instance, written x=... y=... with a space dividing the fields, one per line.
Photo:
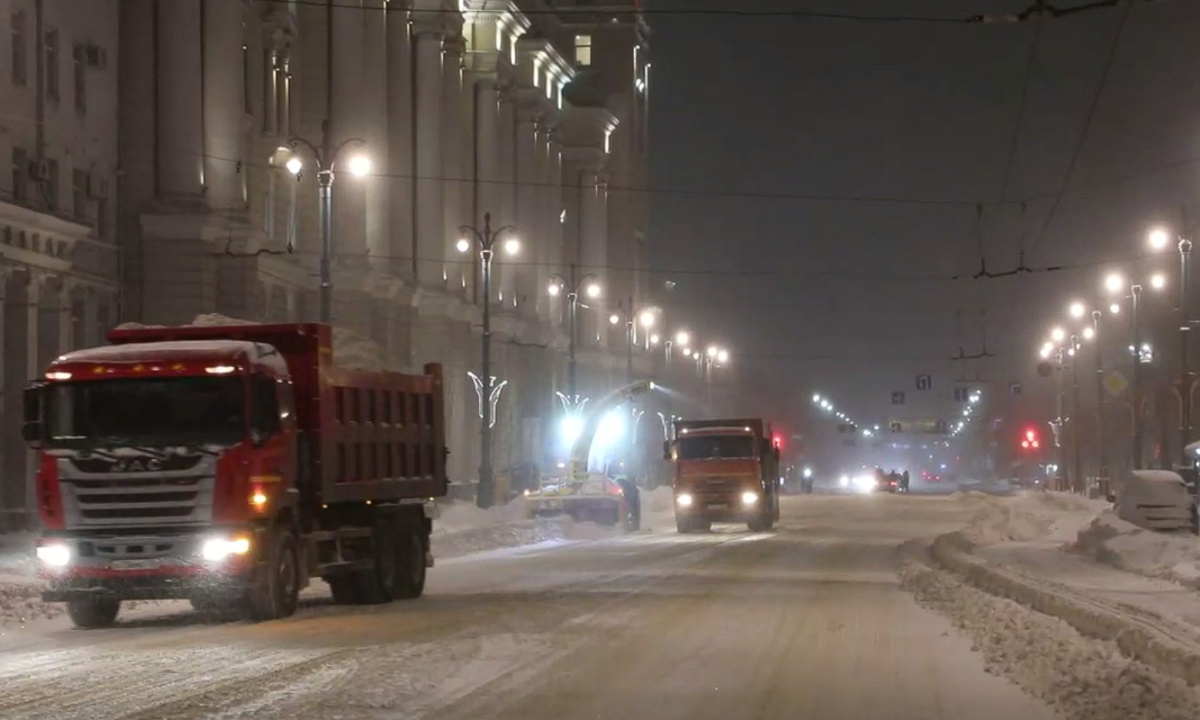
x=20 y=589
x=1046 y=516
x=1125 y=546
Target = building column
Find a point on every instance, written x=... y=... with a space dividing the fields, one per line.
x=529 y=280
x=374 y=108
x=400 y=149
x=453 y=212
x=347 y=120
x=180 y=102
x=224 y=104
x=429 y=116
x=66 y=318
x=546 y=223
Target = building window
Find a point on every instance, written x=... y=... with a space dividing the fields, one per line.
x=79 y=60
x=50 y=184
x=20 y=66
x=79 y=197
x=583 y=50
x=52 y=64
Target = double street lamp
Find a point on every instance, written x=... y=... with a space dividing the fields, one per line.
x=571 y=286
x=1160 y=239
x=1116 y=283
x=326 y=156
x=486 y=240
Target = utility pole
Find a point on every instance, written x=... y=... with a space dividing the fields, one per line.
x=570 y=285
x=630 y=317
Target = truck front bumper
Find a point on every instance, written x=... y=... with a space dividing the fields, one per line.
x=146 y=567
x=714 y=507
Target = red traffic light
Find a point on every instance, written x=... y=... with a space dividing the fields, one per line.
x=1029 y=441
x=777 y=440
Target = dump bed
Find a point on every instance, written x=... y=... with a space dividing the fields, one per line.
x=362 y=435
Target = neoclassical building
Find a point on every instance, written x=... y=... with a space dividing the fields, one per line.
x=150 y=144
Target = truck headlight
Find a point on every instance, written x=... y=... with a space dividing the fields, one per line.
x=683 y=500
x=54 y=555
x=749 y=497
x=219 y=549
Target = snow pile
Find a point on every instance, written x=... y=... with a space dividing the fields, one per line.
x=1082 y=679
x=1044 y=516
x=1125 y=546
x=658 y=509
x=463 y=529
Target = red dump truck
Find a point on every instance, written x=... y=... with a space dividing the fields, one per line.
x=229 y=466
x=725 y=471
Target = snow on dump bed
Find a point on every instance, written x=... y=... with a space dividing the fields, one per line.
x=1169 y=555
x=1046 y=516
x=350 y=349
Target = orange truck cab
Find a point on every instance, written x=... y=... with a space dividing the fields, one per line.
x=724 y=471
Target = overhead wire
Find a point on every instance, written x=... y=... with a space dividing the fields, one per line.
x=1077 y=151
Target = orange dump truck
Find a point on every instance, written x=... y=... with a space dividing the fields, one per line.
x=724 y=471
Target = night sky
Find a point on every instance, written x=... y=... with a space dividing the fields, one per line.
x=815 y=180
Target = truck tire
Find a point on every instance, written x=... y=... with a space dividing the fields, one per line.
x=760 y=522
x=276 y=594
x=378 y=585
x=93 y=612
x=410 y=564
x=344 y=589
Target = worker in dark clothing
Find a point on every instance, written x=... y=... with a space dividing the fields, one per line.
x=904 y=482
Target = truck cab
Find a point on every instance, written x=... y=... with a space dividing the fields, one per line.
x=724 y=471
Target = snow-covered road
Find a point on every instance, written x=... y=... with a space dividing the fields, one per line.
x=809 y=621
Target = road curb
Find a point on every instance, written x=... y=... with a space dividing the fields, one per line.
x=1138 y=634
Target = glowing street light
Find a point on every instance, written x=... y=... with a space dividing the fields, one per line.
x=1089 y=333
x=360 y=166
x=647 y=318
x=1077 y=309
x=1114 y=283
x=1158 y=238
x=682 y=338
x=1158 y=281
x=722 y=356
x=1058 y=334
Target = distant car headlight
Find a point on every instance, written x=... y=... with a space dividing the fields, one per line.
x=683 y=500
x=844 y=481
x=54 y=555
x=749 y=497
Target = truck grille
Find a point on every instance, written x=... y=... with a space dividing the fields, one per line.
x=114 y=499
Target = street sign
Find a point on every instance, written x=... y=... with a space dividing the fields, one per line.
x=1115 y=383
x=897 y=398
x=925 y=382
x=1015 y=388
x=896 y=427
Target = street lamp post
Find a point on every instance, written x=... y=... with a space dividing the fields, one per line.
x=1136 y=458
x=486 y=240
x=1101 y=400
x=1185 y=370
x=1076 y=434
x=326 y=156
x=570 y=285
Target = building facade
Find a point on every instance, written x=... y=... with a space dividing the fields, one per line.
x=60 y=268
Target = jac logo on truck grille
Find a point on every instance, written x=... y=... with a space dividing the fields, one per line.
x=97 y=465
x=137 y=465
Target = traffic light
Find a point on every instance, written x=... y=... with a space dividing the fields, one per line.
x=777 y=441
x=1030 y=441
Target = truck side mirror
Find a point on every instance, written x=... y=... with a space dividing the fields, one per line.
x=31 y=425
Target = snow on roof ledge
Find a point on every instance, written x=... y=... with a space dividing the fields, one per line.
x=351 y=349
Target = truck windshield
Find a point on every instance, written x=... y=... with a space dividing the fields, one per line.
x=149 y=411
x=716 y=446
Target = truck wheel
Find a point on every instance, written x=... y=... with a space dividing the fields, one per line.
x=759 y=522
x=93 y=612
x=378 y=585
x=344 y=589
x=277 y=593
x=410 y=565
